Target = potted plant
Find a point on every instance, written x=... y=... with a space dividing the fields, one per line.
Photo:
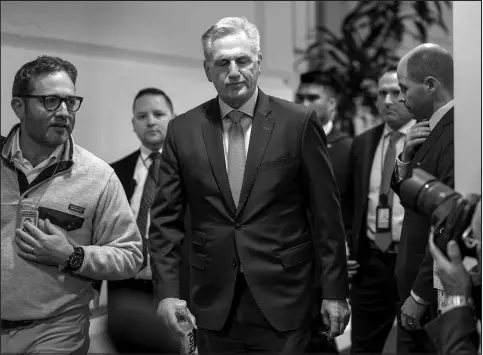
x=371 y=35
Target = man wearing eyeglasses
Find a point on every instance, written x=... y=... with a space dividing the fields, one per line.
x=82 y=227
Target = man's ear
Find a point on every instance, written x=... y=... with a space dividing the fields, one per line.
x=206 y=66
x=431 y=83
x=132 y=121
x=18 y=106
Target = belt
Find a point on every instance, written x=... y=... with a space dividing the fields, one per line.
x=14 y=324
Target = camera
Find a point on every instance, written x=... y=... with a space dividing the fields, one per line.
x=450 y=212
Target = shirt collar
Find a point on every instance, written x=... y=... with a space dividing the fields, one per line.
x=404 y=129
x=439 y=114
x=146 y=152
x=248 y=107
x=328 y=127
x=16 y=152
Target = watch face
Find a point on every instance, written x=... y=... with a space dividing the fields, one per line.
x=76 y=260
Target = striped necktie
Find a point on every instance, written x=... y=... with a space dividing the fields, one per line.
x=147 y=201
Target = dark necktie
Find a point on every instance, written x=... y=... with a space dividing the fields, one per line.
x=383 y=240
x=147 y=201
x=236 y=153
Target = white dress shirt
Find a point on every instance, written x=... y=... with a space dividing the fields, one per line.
x=248 y=109
x=328 y=127
x=375 y=184
x=433 y=121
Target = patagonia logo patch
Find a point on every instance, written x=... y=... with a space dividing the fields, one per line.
x=76 y=208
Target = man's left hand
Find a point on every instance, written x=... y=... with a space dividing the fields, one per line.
x=335 y=315
x=47 y=245
x=411 y=314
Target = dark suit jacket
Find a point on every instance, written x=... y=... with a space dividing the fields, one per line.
x=414 y=265
x=455 y=332
x=124 y=169
x=269 y=232
x=355 y=201
x=339 y=146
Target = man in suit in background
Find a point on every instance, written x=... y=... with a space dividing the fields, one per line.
x=138 y=173
x=373 y=246
x=251 y=166
x=321 y=91
x=425 y=76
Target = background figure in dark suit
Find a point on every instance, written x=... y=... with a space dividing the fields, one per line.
x=152 y=110
x=321 y=91
x=253 y=168
x=425 y=76
x=373 y=247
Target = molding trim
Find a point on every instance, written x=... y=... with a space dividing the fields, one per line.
x=45 y=45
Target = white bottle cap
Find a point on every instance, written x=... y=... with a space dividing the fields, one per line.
x=180 y=304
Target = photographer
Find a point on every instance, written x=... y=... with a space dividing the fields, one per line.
x=455 y=331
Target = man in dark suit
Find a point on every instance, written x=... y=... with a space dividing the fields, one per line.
x=152 y=110
x=321 y=92
x=257 y=176
x=425 y=76
x=373 y=247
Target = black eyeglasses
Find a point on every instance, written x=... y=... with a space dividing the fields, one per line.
x=53 y=102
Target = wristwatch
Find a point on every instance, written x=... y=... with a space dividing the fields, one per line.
x=452 y=301
x=75 y=259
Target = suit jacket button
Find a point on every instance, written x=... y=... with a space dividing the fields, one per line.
x=234 y=263
x=237 y=225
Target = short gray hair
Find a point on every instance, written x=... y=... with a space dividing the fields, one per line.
x=229 y=26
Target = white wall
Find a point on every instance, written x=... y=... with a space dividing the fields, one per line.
x=467 y=58
x=121 y=47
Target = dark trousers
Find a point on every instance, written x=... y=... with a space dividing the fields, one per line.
x=141 y=293
x=414 y=342
x=373 y=299
x=247 y=330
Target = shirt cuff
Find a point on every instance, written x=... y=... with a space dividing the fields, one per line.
x=419 y=299
x=401 y=168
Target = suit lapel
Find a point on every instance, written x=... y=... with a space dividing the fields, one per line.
x=125 y=173
x=213 y=137
x=368 y=158
x=131 y=167
x=262 y=128
x=432 y=138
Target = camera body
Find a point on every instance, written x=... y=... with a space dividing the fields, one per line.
x=449 y=211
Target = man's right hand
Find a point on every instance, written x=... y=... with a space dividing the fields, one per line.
x=416 y=136
x=167 y=311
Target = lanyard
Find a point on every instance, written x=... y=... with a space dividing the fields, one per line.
x=43 y=192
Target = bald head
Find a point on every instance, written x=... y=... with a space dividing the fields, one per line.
x=430 y=60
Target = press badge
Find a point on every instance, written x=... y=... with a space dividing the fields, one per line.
x=383 y=219
x=27 y=212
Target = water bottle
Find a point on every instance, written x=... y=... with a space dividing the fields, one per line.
x=187 y=340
